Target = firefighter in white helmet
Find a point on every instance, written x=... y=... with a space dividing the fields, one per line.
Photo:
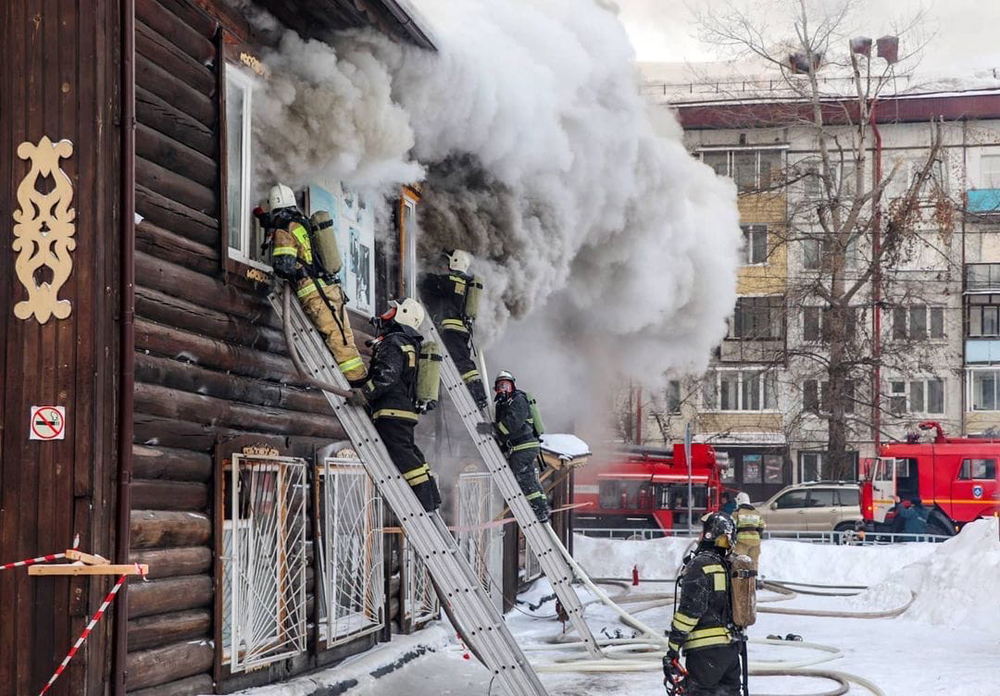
x=517 y=428
x=391 y=392
x=749 y=525
x=294 y=257
x=448 y=298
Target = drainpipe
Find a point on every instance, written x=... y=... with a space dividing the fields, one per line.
x=964 y=374
x=876 y=291
x=126 y=378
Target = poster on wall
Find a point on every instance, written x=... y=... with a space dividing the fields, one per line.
x=774 y=468
x=751 y=468
x=354 y=225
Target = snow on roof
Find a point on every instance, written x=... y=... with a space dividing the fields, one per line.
x=565 y=446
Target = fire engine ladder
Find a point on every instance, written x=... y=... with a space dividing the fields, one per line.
x=482 y=626
x=542 y=538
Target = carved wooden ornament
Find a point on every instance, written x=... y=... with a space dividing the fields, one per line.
x=43 y=231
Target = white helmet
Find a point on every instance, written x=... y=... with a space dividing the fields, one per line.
x=459 y=260
x=742 y=498
x=281 y=196
x=409 y=312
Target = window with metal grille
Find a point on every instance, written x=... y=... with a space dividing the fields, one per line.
x=422 y=604
x=479 y=503
x=264 y=560
x=351 y=590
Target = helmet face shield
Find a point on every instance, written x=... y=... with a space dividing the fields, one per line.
x=504 y=386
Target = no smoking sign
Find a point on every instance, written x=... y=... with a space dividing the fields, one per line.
x=48 y=423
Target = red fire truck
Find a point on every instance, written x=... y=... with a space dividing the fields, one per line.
x=955 y=477
x=645 y=488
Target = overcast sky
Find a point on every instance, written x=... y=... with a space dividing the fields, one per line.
x=966 y=33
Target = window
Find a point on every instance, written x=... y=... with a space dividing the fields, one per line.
x=812 y=185
x=917 y=396
x=917 y=323
x=758 y=318
x=989 y=171
x=735 y=390
x=245 y=235
x=897 y=398
x=849 y=497
x=674 y=396
x=816 y=324
x=811 y=325
x=810 y=396
x=610 y=495
x=813 y=466
x=750 y=169
x=983 y=315
x=982 y=276
x=755 y=241
x=817 y=397
x=814 y=253
x=978 y=469
x=984 y=389
x=821 y=497
x=792 y=500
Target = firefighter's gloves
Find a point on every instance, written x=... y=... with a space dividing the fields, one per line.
x=484 y=428
x=426 y=406
x=357 y=398
x=674 y=674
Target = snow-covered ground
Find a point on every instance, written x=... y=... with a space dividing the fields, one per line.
x=947 y=643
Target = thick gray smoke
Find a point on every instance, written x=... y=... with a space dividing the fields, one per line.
x=606 y=248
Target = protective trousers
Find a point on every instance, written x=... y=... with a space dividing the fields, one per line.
x=398 y=438
x=714 y=671
x=345 y=352
x=751 y=550
x=459 y=345
x=524 y=465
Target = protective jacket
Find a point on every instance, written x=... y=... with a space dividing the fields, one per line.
x=444 y=296
x=392 y=383
x=704 y=616
x=749 y=525
x=515 y=428
x=319 y=294
x=914 y=519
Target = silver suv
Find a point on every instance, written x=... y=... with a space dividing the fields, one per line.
x=817 y=506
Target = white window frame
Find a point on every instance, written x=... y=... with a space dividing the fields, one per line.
x=928 y=313
x=731 y=151
x=241 y=250
x=749 y=230
x=821 y=457
x=971 y=391
x=907 y=395
x=989 y=171
x=409 y=270
x=715 y=380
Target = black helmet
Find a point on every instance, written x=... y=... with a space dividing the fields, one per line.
x=718 y=529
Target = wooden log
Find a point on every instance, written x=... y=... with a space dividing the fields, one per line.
x=169 y=563
x=167 y=432
x=175 y=156
x=191 y=378
x=168 y=495
x=178 y=281
x=192 y=14
x=180 y=33
x=167 y=664
x=177 y=218
x=168 y=56
x=192 y=686
x=165 y=118
x=154 y=631
x=171 y=464
x=164 y=244
x=171 y=403
x=155 y=79
x=169 y=595
x=174 y=186
x=162 y=528
x=208 y=352
x=205 y=321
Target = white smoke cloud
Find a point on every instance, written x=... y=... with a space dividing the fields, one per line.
x=612 y=250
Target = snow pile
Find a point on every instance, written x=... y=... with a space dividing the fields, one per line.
x=779 y=560
x=956 y=585
x=565 y=446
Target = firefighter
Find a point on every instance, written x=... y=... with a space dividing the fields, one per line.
x=391 y=394
x=319 y=292
x=702 y=625
x=517 y=434
x=447 y=296
x=749 y=525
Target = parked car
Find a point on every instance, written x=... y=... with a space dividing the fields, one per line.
x=817 y=506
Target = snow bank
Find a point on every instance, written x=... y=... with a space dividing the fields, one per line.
x=779 y=560
x=956 y=585
x=565 y=446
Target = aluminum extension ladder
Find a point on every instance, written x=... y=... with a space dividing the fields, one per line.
x=481 y=623
x=543 y=539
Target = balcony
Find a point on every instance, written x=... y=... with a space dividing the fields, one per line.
x=983 y=201
x=980 y=351
x=982 y=277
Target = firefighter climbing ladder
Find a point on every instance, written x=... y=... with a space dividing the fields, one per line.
x=540 y=536
x=480 y=622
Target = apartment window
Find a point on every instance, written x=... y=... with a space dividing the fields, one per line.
x=758 y=318
x=897 y=398
x=814 y=466
x=927 y=396
x=982 y=276
x=816 y=324
x=755 y=243
x=817 y=397
x=917 y=323
x=741 y=390
x=983 y=315
x=245 y=235
x=989 y=171
x=750 y=169
x=674 y=396
x=984 y=389
x=978 y=470
x=811 y=324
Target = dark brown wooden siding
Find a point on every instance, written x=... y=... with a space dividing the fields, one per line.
x=59 y=77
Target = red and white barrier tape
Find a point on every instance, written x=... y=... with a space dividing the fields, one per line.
x=90 y=626
x=39 y=559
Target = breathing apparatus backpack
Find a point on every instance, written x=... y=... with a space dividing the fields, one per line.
x=429 y=374
x=536 y=416
x=744 y=590
x=324 y=242
x=473 y=294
